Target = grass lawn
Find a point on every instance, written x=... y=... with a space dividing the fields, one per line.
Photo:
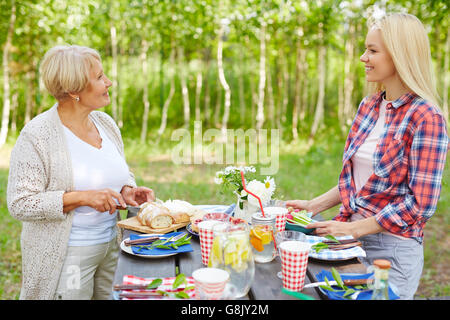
x=304 y=172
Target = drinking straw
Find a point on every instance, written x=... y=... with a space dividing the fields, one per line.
x=259 y=200
x=260 y=204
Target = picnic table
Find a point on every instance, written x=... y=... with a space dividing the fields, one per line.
x=266 y=284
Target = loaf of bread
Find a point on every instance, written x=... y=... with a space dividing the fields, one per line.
x=155 y=216
x=180 y=210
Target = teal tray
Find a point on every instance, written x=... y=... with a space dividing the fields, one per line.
x=290 y=226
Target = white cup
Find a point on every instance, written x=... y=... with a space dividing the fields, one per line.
x=210 y=283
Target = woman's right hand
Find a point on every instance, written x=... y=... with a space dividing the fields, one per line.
x=104 y=200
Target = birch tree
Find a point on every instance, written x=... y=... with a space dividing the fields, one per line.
x=6 y=84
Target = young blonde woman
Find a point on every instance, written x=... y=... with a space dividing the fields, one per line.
x=394 y=155
x=67 y=176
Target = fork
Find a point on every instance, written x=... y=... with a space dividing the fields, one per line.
x=154 y=238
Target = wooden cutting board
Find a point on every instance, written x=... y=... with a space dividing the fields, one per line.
x=134 y=224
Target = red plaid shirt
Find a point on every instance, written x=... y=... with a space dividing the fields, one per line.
x=403 y=191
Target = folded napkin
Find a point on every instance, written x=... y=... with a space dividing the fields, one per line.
x=158 y=251
x=166 y=284
x=339 y=295
x=217 y=208
x=327 y=254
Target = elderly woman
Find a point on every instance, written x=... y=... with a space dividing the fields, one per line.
x=394 y=156
x=68 y=176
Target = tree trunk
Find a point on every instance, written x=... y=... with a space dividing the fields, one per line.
x=218 y=104
x=318 y=116
x=6 y=88
x=224 y=83
x=115 y=113
x=29 y=96
x=262 y=79
x=145 y=99
x=297 y=90
x=14 y=107
x=286 y=78
x=446 y=77
x=271 y=111
x=184 y=88
x=241 y=89
x=198 y=91
x=166 y=105
x=349 y=79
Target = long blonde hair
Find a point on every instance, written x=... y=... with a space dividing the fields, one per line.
x=407 y=42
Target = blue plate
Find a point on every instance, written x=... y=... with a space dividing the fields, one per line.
x=291 y=226
x=189 y=229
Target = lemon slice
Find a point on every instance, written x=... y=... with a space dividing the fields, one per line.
x=216 y=253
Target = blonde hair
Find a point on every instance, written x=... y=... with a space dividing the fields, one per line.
x=407 y=42
x=66 y=69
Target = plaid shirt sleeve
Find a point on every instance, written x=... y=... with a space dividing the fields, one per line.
x=425 y=169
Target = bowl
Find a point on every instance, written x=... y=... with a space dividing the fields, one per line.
x=220 y=216
x=295 y=227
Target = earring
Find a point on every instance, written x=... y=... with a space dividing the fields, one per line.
x=77 y=98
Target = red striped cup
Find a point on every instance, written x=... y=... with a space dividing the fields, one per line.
x=210 y=283
x=294 y=260
x=280 y=214
x=206 y=238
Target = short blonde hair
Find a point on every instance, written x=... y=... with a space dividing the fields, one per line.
x=407 y=42
x=66 y=69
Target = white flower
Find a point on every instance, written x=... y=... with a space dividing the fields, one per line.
x=218 y=179
x=259 y=189
x=229 y=169
x=250 y=169
x=270 y=185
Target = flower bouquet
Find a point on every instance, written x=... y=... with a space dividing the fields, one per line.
x=230 y=179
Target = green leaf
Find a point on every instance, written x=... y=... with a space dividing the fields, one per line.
x=349 y=292
x=182 y=295
x=319 y=246
x=327 y=288
x=179 y=280
x=154 y=284
x=337 y=278
x=331 y=238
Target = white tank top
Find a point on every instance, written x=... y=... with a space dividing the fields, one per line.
x=363 y=157
x=94 y=169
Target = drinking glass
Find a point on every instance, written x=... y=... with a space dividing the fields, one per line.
x=231 y=252
x=287 y=235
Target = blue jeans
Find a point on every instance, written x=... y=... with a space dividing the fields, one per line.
x=406 y=257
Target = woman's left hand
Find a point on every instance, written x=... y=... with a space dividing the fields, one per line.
x=334 y=228
x=137 y=196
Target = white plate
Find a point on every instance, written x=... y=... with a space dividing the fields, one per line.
x=128 y=250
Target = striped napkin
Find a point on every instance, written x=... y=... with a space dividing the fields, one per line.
x=166 y=284
x=327 y=254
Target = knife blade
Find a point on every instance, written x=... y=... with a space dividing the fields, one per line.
x=347 y=282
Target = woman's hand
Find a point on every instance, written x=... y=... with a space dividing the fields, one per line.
x=299 y=204
x=334 y=228
x=137 y=196
x=103 y=200
x=356 y=228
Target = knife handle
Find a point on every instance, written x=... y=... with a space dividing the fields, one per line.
x=355 y=282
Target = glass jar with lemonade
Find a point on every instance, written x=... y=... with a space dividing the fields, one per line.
x=231 y=252
x=262 y=235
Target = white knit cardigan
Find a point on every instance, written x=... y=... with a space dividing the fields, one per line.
x=40 y=173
